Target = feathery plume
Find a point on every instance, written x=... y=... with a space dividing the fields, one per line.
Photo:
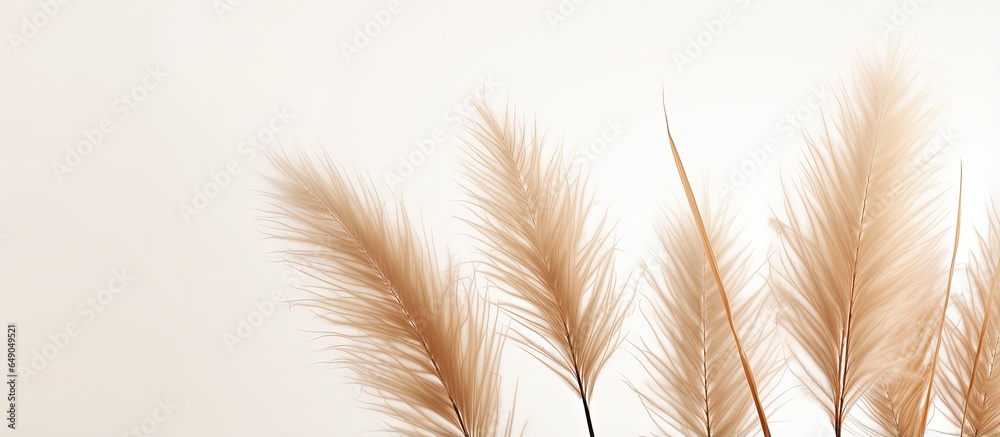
x=428 y=353
x=698 y=388
x=533 y=217
x=895 y=402
x=971 y=386
x=860 y=240
x=900 y=402
x=714 y=264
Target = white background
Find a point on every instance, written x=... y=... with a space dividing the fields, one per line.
x=228 y=69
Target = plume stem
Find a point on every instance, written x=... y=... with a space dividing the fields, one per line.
x=744 y=361
x=704 y=369
x=579 y=380
x=586 y=405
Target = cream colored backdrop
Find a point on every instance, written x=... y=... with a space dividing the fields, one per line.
x=130 y=259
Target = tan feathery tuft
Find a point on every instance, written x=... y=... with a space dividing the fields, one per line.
x=403 y=324
x=971 y=386
x=860 y=246
x=533 y=221
x=698 y=387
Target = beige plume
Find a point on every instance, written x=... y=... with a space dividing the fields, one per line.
x=901 y=401
x=403 y=323
x=860 y=242
x=533 y=221
x=713 y=263
x=971 y=386
x=698 y=387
